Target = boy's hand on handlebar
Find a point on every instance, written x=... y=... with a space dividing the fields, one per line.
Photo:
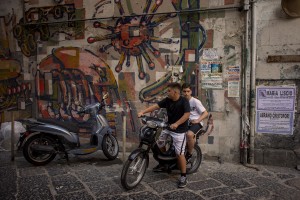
x=173 y=126
x=140 y=114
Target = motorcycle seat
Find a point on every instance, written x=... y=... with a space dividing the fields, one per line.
x=166 y=157
x=70 y=126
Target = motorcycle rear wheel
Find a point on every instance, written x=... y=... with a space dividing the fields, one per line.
x=110 y=147
x=196 y=160
x=134 y=171
x=37 y=157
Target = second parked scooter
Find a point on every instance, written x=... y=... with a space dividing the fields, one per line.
x=45 y=138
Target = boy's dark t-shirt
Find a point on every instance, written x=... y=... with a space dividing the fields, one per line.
x=175 y=110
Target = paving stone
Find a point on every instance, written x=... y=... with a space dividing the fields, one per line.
x=201 y=185
x=216 y=192
x=8 y=182
x=7 y=196
x=230 y=180
x=97 y=178
x=275 y=187
x=165 y=185
x=34 y=181
x=114 y=197
x=180 y=194
x=104 y=188
x=82 y=195
x=294 y=183
x=144 y=196
x=31 y=171
x=79 y=166
x=256 y=192
x=57 y=170
x=66 y=183
x=90 y=175
x=140 y=187
x=153 y=177
x=285 y=176
x=197 y=177
x=35 y=193
x=232 y=197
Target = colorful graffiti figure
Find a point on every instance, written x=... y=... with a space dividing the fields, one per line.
x=133 y=36
x=70 y=78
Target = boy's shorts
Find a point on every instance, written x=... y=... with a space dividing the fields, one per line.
x=179 y=141
x=195 y=128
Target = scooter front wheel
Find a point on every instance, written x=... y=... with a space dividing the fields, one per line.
x=39 y=150
x=110 y=147
x=134 y=171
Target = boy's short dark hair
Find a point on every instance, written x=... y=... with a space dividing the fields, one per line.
x=186 y=85
x=174 y=86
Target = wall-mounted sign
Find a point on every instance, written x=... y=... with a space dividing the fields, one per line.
x=275 y=107
x=211 y=75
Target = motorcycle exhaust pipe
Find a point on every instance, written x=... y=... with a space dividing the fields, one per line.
x=38 y=147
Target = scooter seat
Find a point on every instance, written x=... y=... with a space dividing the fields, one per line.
x=70 y=126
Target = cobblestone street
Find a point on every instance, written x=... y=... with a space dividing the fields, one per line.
x=93 y=177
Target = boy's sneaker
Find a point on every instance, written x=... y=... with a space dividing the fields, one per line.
x=182 y=182
x=158 y=168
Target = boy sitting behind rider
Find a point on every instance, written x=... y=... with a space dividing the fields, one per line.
x=197 y=114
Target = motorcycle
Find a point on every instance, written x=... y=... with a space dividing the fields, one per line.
x=137 y=163
x=45 y=138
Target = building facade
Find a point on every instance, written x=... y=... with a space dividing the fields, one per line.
x=241 y=57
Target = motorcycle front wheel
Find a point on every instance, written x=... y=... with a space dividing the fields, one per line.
x=134 y=171
x=110 y=147
x=39 y=150
x=195 y=160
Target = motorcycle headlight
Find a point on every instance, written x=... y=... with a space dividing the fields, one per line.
x=151 y=124
x=147 y=133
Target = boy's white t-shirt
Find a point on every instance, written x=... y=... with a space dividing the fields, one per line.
x=196 y=109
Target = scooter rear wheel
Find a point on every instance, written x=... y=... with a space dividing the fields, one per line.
x=195 y=160
x=39 y=157
x=110 y=147
x=134 y=171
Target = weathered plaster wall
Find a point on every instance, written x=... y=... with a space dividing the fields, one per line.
x=64 y=66
x=55 y=66
x=278 y=34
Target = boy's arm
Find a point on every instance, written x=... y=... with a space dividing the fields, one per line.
x=149 y=109
x=184 y=118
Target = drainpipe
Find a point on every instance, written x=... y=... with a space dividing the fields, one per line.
x=252 y=80
x=244 y=98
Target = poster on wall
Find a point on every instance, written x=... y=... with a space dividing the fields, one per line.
x=211 y=75
x=274 y=122
x=233 y=88
x=212 y=81
x=275 y=107
x=233 y=77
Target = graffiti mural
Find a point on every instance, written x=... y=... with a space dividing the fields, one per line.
x=144 y=39
x=71 y=78
x=12 y=87
x=48 y=22
x=132 y=53
x=133 y=36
